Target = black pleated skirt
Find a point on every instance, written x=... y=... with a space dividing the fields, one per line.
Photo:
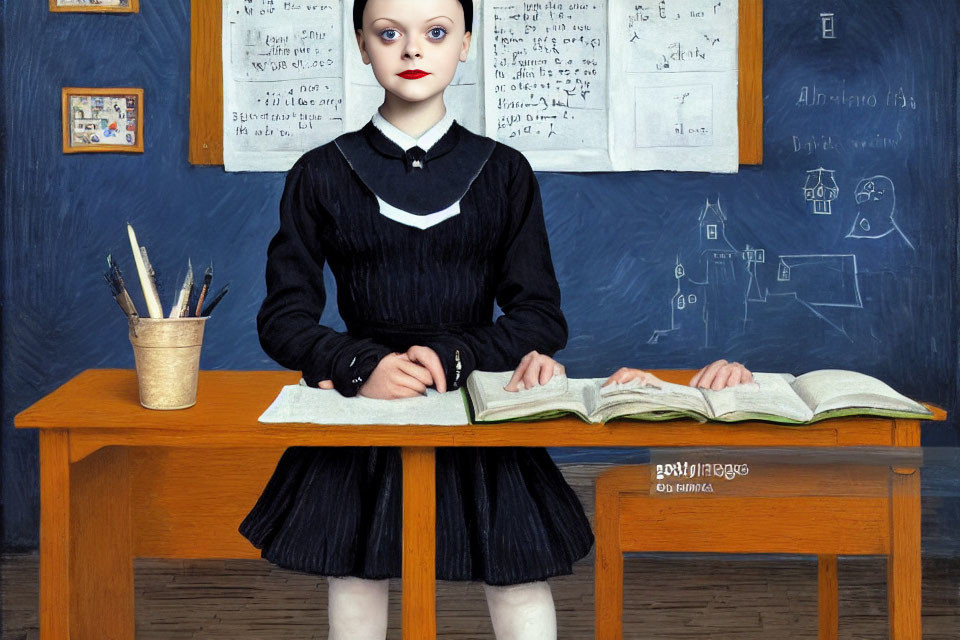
x=504 y=515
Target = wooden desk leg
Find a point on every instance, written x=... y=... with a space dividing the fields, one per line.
x=903 y=563
x=828 y=611
x=54 y=535
x=607 y=564
x=419 y=601
x=101 y=547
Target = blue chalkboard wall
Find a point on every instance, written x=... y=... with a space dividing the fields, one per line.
x=840 y=251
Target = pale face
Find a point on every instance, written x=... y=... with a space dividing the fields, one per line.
x=404 y=35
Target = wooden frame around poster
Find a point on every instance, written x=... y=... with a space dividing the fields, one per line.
x=133 y=6
x=67 y=128
x=206 y=83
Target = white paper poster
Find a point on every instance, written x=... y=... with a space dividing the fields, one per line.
x=576 y=86
x=282 y=81
x=675 y=62
x=546 y=82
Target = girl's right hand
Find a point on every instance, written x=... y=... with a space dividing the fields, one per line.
x=398 y=376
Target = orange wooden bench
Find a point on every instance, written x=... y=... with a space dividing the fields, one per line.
x=813 y=509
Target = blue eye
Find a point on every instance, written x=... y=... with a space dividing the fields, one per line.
x=437 y=33
x=390 y=34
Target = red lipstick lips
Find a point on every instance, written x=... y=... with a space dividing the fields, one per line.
x=413 y=74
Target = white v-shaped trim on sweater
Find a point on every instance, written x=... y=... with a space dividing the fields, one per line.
x=406 y=142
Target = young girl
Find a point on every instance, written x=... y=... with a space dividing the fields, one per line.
x=424 y=225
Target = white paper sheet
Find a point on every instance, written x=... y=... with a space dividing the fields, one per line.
x=282 y=81
x=300 y=403
x=675 y=64
x=545 y=73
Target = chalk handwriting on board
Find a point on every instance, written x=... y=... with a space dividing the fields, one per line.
x=284 y=90
x=835 y=98
x=814 y=95
x=549 y=62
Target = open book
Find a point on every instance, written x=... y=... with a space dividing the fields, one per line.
x=774 y=397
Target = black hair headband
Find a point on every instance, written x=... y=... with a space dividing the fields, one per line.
x=358 y=6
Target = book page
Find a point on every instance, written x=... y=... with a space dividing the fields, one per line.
x=545 y=72
x=492 y=402
x=829 y=389
x=675 y=65
x=769 y=394
x=283 y=90
x=300 y=403
x=487 y=391
x=669 y=396
x=588 y=390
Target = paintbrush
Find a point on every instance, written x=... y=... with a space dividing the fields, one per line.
x=207 y=277
x=216 y=299
x=118 y=288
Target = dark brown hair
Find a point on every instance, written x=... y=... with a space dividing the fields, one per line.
x=358 y=6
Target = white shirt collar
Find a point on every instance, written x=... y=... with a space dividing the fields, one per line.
x=404 y=141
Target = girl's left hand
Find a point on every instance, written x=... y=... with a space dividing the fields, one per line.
x=535 y=368
x=721 y=374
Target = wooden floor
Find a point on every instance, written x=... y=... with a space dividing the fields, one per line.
x=666 y=597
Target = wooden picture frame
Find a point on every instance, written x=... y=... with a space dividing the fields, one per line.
x=90 y=124
x=130 y=6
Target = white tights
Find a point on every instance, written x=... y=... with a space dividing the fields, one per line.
x=522 y=611
x=358 y=610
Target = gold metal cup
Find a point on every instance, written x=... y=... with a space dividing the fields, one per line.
x=167 y=355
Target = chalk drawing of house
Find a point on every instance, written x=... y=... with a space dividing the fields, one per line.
x=821 y=189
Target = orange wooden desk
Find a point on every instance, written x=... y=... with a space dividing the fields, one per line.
x=118 y=482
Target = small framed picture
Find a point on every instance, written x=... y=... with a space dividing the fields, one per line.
x=97 y=119
x=102 y=6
